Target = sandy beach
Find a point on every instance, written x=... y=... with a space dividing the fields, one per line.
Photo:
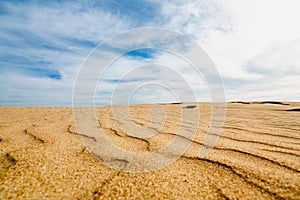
x=256 y=157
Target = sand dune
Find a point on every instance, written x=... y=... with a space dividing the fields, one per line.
x=257 y=155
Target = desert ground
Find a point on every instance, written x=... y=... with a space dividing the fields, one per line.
x=257 y=155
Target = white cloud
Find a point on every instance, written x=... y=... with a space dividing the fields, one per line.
x=278 y=59
x=22 y=90
x=54 y=33
x=165 y=68
x=69 y=20
x=254 y=44
x=237 y=33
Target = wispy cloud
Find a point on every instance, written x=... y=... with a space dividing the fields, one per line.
x=43 y=44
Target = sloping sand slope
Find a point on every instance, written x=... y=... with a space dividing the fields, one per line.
x=257 y=156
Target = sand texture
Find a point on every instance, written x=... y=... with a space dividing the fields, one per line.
x=257 y=155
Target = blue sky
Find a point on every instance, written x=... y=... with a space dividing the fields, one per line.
x=44 y=43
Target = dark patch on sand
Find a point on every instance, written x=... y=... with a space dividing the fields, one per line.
x=241 y=102
x=190 y=107
x=294 y=110
x=6 y=161
x=270 y=102
x=11 y=159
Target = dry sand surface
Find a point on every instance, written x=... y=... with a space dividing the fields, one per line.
x=256 y=157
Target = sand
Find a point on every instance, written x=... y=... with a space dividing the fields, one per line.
x=256 y=157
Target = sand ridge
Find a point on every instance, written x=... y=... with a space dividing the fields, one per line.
x=257 y=155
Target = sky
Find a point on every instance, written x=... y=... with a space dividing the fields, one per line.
x=254 y=44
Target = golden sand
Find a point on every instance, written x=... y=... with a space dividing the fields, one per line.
x=256 y=157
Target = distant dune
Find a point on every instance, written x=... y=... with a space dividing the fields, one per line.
x=256 y=157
